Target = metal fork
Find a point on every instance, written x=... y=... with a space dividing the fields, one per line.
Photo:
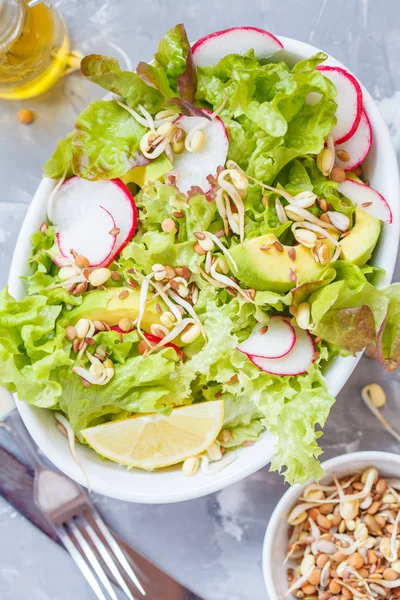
x=76 y=521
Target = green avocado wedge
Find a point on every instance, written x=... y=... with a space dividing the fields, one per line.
x=359 y=244
x=263 y=265
x=107 y=306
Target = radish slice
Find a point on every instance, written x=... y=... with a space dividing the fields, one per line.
x=193 y=168
x=276 y=342
x=296 y=362
x=349 y=101
x=209 y=50
x=154 y=339
x=97 y=246
x=84 y=212
x=366 y=198
x=119 y=330
x=358 y=146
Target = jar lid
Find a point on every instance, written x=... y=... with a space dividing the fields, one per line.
x=11 y=21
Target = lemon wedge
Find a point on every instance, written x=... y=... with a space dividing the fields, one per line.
x=152 y=441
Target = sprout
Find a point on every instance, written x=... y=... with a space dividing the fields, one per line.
x=89 y=334
x=233 y=193
x=231 y=220
x=393 y=539
x=300 y=581
x=144 y=288
x=229 y=282
x=307 y=216
x=153 y=145
x=165 y=116
x=220 y=108
x=216 y=466
x=162 y=293
x=220 y=202
x=148 y=117
x=55 y=192
x=99 y=373
x=220 y=245
x=71 y=441
x=189 y=135
x=376 y=412
x=146 y=121
x=208 y=262
x=189 y=309
x=177 y=330
x=213 y=282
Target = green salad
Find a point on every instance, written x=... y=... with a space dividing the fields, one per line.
x=206 y=255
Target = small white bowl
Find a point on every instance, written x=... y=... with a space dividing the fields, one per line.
x=171 y=485
x=277 y=535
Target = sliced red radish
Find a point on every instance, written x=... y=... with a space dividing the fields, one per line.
x=367 y=199
x=119 y=330
x=274 y=342
x=348 y=99
x=155 y=340
x=295 y=362
x=193 y=168
x=97 y=246
x=85 y=212
x=358 y=146
x=211 y=48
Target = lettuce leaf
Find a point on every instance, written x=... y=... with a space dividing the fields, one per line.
x=106 y=140
x=172 y=52
x=294 y=423
x=347 y=311
x=351 y=329
x=388 y=341
x=32 y=348
x=267 y=116
x=106 y=72
x=56 y=166
x=154 y=247
x=139 y=385
x=156 y=78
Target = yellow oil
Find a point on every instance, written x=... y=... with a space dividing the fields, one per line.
x=38 y=57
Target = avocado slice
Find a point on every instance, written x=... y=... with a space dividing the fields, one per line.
x=269 y=270
x=358 y=245
x=107 y=306
x=151 y=172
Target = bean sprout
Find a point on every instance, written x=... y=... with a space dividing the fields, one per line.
x=71 y=441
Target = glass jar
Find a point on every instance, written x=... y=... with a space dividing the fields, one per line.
x=34 y=48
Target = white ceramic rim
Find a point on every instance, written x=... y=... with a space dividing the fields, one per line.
x=171 y=485
x=371 y=457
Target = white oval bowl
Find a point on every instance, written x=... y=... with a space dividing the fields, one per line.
x=276 y=537
x=170 y=485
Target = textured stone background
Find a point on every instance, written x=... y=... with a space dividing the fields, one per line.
x=212 y=544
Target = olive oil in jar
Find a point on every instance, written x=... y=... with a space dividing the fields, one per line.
x=34 y=48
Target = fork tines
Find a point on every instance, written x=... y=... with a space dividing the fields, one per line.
x=97 y=554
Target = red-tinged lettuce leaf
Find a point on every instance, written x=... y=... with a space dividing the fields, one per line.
x=388 y=340
x=187 y=81
x=156 y=78
x=195 y=190
x=106 y=72
x=350 y=329
x=214 y=186
x=172 y=52
x=186 y=108
x=302 y=292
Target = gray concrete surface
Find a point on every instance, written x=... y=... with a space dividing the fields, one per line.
x=212 y=544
